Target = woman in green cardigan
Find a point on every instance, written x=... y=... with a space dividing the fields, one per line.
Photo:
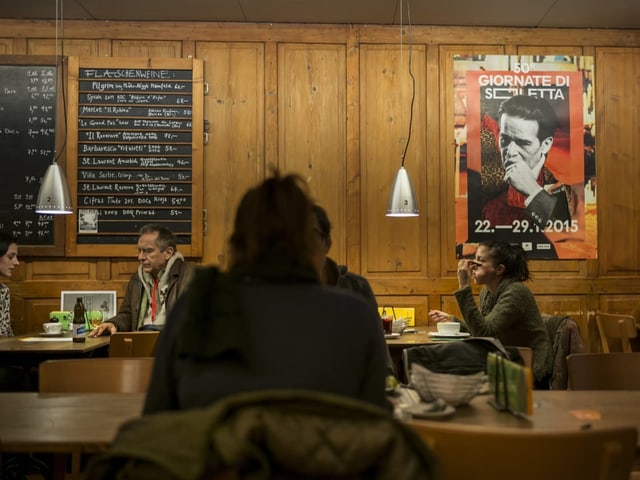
x=508 y=310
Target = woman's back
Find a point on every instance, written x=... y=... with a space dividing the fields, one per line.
x=294 y=336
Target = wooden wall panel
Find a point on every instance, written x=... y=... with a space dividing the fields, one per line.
x=6 y=46
x=625 y=304
x=617 y=166
x=78 y=48
x=37 y=312
x=390 y=245
x=69 y=269
x=234 y=154
x=311 y=126
x=146 y=48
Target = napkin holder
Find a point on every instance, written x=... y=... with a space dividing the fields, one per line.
x=510 y=385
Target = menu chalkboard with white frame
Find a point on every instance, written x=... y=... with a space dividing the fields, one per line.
x=135 y=152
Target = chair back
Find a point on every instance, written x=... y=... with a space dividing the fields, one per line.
x=565 y=339
x=604 y=371
x=95 y=375
x=526 y=354
x=133 y=344
x=615 y=330
x=481 y=453
x=271 y=434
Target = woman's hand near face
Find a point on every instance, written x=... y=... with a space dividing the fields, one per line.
x=465 y=269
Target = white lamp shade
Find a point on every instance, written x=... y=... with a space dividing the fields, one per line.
x=402 y=198
x=53 y=197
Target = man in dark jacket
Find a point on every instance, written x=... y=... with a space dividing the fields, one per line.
x=162 y=276
x=339 y=276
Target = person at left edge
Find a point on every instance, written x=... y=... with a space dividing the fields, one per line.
x=8 y=261
x=163 y=274
x=11 y=378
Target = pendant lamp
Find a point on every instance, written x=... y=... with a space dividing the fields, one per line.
x=53 y=196
x=402 y=198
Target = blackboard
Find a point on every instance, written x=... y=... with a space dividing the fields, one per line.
x=28 y=109
x=137 y=140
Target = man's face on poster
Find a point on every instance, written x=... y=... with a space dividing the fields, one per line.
x=519 y=143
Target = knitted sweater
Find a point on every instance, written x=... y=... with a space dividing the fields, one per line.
x=510 y=315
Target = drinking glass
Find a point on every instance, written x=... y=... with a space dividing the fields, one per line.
x=95 y=318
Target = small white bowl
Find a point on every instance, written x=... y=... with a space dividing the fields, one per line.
x=52 y=327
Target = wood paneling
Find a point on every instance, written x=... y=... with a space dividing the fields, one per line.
x=146 y=48
x=311 y=127
x=391 y=245
x=234 y=154
x=617 y=150
x=332 y=103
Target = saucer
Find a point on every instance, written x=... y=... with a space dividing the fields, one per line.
x=422 y=410
x=390 y=336
x=449 y=335
x=47 y=334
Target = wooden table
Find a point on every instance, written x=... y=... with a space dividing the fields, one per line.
x=28 y=351
x=66 y=425
x=421 y=337
x=555 y=410
x=33 y=345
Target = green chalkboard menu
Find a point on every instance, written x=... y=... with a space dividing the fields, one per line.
x=28 y=106
x=138 y=151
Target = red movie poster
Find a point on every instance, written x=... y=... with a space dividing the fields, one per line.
x=525 y=154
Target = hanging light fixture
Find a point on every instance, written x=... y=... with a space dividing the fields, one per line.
x=402 y=198
x=54 y=197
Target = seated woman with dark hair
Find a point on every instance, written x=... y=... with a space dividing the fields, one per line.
x=8 y=261
x=268 y=322
x=508 y=310
x=11 y=378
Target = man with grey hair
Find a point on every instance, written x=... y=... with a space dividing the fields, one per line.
x=162 y=276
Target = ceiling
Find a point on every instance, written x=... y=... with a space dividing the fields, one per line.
x=508 y=13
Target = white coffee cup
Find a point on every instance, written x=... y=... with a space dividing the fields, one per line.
x=52 y=327
x=448 y=327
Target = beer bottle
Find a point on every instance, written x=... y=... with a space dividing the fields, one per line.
x=79 y=322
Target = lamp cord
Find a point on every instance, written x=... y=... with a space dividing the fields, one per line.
x=413 y=78
x=60 y=75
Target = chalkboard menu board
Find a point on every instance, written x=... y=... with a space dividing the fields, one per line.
x=138 y=151
x=28 y=105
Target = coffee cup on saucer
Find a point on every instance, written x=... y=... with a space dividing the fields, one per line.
x=52 y=328
x=450 y=328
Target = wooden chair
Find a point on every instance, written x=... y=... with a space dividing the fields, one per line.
x=92 y=375
x=482 y=453
x=527 y=356
x=604 y=371
x=616 y=330
x=133 y=344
